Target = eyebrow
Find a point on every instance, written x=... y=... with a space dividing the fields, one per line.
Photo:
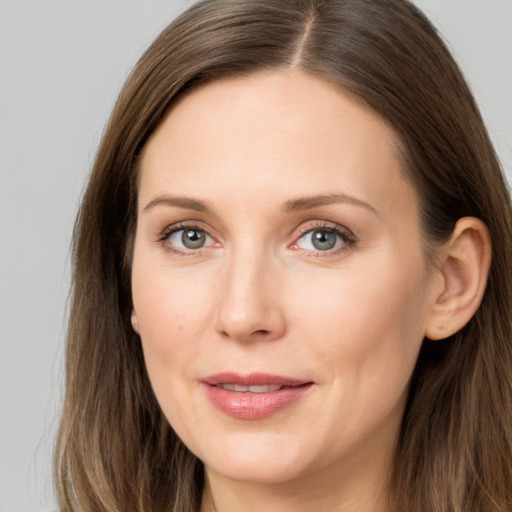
x=291 y=206
x=308 y=203
x=181 y=202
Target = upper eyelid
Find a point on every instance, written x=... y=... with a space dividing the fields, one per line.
x=188 y=224
x=326 y=225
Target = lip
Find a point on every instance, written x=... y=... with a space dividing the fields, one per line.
x=253 y=406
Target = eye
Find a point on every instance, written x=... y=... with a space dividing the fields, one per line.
x=323 y=239
x=188 y=238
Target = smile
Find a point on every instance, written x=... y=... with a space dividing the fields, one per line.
x=254 y=396
x=250 y=389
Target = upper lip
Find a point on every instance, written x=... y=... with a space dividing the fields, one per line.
x=252 y=379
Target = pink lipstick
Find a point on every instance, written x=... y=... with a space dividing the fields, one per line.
x=253 y=396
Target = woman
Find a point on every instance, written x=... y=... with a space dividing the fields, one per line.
x=284 y=297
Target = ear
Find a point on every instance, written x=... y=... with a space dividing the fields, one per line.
x=464 y=267
x=135 y=322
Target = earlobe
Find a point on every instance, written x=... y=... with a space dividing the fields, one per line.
x=135 y=322
x=464 y=269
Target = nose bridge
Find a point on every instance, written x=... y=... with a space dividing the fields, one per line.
x=248 y=305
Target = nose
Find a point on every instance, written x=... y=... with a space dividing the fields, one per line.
x=249 y=308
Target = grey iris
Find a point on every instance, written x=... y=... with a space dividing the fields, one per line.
x=193 y=238
x=323 y=240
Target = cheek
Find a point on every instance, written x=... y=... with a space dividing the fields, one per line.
x=172 y=309
x=368 y=319
x=172 y=312
x=365 y=333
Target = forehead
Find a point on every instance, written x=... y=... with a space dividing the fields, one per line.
x=279 y=134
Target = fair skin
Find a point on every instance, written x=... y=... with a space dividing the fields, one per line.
x=277 y=235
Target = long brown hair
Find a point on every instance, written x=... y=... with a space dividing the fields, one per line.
x=115 y=450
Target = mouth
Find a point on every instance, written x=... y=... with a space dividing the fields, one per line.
x=249 y=389
x=254 y=396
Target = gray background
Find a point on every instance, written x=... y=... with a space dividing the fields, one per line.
x=62 y=64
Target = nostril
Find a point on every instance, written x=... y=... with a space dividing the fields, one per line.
x=259 y=334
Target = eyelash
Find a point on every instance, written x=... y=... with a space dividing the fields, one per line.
x=163 y=238
x=348 y=239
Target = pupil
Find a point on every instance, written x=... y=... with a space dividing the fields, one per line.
x=323 y=240
x=193 y=239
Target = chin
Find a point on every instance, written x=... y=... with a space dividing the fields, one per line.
x=267 y=460
x=256 y=471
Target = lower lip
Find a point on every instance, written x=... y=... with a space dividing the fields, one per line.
x=254 y=406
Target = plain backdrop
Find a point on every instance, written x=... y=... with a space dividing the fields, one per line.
x=62 y=63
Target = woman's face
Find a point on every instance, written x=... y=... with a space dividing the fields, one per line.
x=279 y=284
